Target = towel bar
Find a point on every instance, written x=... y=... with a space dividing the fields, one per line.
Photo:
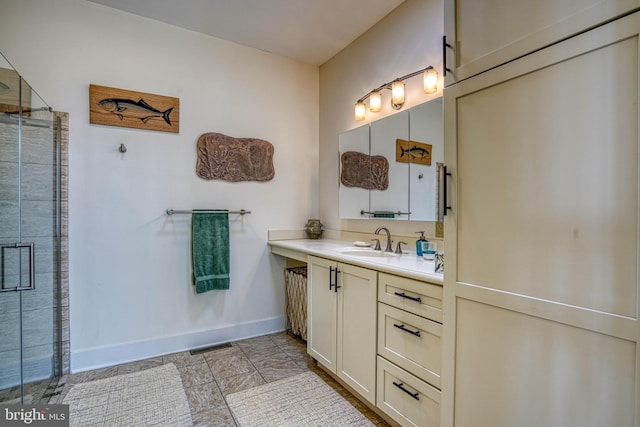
x=240 y=212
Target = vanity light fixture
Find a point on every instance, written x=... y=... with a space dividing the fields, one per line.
x=430 y=81
x=397 y=94
x=360 y=110
x=375 y=102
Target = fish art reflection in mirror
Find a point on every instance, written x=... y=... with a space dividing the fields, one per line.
x=126 y=108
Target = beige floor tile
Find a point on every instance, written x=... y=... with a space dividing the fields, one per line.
x=275 y=373
x=221 y=352
x=208 y=377
x=195 y=374
x=255 y=343
x=203 y=397
x=140 y=365
x=297 y=353
x=278 y=359
x=96 y=374
x=231 y=365
x=183 y=358
x=255 y=354
x=240 y=382
x=281 y=338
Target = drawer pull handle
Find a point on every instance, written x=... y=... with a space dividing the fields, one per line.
x=400 y=386
x=403 y=295
x=416 y=333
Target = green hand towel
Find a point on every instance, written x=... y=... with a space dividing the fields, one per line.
x=384 y=214
x=210 y=250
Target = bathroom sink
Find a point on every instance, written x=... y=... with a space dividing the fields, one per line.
x=369 y=253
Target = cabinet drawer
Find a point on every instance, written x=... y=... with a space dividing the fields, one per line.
x=411 y=342
x=421 y=298
x=405 y=398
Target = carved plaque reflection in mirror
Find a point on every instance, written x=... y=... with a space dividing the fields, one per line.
x=364 y=171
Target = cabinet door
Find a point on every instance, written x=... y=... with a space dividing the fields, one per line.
x=357 y=329
x=322 y=303
x=486 y=33
x=541 y=288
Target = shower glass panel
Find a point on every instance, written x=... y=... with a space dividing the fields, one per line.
x=29 y=242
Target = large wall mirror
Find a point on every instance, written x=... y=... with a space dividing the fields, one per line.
x=389 y=168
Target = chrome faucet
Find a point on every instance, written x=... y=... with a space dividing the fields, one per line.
x=389 y=244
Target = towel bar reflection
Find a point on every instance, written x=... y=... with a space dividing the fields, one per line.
x=172 y=212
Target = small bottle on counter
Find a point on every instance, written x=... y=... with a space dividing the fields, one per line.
x=419 y=243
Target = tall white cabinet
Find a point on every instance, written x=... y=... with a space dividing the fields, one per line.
x=541 y=292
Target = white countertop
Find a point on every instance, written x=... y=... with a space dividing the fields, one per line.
x=407 y=264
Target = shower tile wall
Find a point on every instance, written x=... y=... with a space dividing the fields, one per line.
x=62 y=299
x=38 y=225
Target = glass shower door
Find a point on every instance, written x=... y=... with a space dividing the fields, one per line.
x=28 y=241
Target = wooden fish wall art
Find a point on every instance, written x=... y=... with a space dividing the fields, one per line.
x=234 y=159
x=413 y=152
x=126 y=108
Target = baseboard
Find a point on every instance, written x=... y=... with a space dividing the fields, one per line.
x=100 y=357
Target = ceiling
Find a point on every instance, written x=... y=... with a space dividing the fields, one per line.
x=310 y=31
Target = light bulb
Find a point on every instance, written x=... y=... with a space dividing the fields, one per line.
x=375 y=102
x=360 y=110
x=430 y=80
x=397 y=94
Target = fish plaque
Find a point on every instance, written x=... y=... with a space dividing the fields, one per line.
x=413 y=152
x=118 y=107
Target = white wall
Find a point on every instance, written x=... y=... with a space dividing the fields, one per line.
x=130 y=291
x=406 y=40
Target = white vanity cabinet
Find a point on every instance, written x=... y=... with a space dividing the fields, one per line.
x=409 y=350
x=342 y=322
x=541 y=289
x=483 y=34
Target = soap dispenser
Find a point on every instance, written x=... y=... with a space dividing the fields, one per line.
x=419 y=243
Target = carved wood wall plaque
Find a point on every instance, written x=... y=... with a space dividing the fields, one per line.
x=234 y=159
x=364 y=171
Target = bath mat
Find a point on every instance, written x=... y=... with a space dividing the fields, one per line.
x=301 y=400
x=153 y=397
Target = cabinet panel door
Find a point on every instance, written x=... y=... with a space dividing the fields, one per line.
x=514 y=369
x=543 y=229
x=357 y=329
x=486 y=33
x=322 y=303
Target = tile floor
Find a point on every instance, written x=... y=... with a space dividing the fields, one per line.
x=209 y=377
x=33 y=393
